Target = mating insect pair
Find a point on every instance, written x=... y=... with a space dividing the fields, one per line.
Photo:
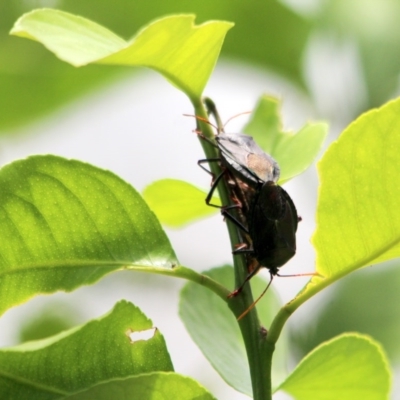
x=266 y=214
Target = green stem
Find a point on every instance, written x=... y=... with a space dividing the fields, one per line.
x=314 y=286
x=251 y=330
x=188 y=274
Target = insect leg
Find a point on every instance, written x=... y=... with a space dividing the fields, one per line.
x=207 y=160
x=226 y=214
x=248 y=277
x=215 y=181
x=257 y=300
x=224 y=209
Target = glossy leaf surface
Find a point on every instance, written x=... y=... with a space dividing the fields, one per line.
x=348 y=367
x=169 y=45
x=155 y=386
x=66 y=224
x=177 y=202
x=33 y=82
x=81 y=357
x=358 y=223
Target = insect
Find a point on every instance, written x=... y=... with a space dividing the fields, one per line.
x=268 y=214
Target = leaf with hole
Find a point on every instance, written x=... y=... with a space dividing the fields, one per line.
x=81 y=357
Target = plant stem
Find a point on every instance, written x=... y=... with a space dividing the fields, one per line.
x=314 y=286
x=252 y=332
x=188 y=274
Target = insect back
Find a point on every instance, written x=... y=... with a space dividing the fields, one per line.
x=246 y=160
x=272 y=224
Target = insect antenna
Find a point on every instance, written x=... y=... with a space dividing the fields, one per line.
x=235 y=116
x=296 y=275
x=212 y=110
x=252 y=305
x=202 y=119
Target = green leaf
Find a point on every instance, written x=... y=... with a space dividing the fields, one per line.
x=358 y=222
x=177 y=202
x=33 y=82
x=65 y=224
x=366 y=302
x=293 y=152
x=215 y=330
x=185 y=54
x=83 y=356
x=348 y=367
x=154 y=386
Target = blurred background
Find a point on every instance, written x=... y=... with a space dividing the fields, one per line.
x=325 y=59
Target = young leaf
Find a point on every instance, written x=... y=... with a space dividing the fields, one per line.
x=83 y=356
x=349 y=367
x=28 y=71
x=293 y=152
x=154 y=386
x=214 y=328
x=65 y=224
x=177 y=202
x=358 y=222
x=185 y=54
